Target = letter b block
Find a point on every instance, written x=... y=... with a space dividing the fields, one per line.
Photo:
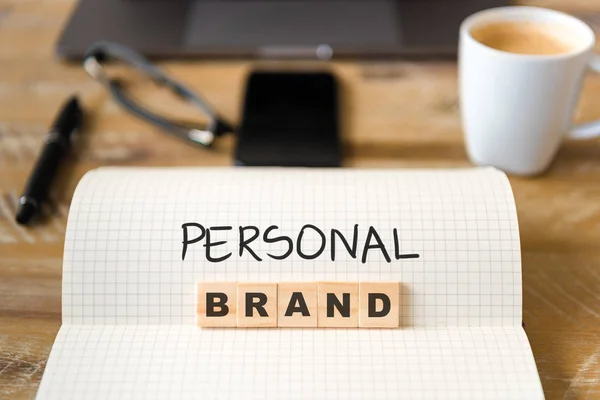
x=379 y=304
x=257 y=305
x=217 y=304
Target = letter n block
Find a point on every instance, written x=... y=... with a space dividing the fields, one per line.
x=217 y=304
x=338 y=305
x=297 y=305
x=257 y=305
x=379 y=304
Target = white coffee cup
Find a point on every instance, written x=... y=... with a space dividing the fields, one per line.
x=517 y=108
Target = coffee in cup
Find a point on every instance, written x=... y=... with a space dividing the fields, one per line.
x=526 y=37
x=521 y=71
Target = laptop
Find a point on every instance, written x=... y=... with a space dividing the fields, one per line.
x=306 y=29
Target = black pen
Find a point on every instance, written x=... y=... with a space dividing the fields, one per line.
x=56 y=148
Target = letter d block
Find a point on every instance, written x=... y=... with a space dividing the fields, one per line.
x=257 y=305
x=379 y=304
x=217 y=304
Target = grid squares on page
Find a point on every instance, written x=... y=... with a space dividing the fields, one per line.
x=180 y=361
x=128 y=299
x=123 y=248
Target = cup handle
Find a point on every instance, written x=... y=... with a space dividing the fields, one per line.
x=588 y=130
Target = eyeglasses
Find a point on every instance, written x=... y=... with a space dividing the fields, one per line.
x=105 y=51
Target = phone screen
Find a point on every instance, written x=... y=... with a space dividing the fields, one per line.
x=289 y=119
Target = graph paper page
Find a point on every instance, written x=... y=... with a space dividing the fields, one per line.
x=129 y=287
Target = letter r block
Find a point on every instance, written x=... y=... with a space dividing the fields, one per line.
x=379 y=304
x=217 y=304
x=257 y=305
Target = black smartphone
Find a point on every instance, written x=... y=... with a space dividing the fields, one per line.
x=290 y=119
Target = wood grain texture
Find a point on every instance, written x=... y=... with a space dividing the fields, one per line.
x=257 y=305
x=286 y=298
x=225 y=302
x=395 y=114
x=337 y=305
x=391 y=290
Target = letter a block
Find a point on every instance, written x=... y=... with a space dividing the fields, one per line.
x=338 y=305
x=217 y=304
x=257 y=305
x=379 y=304
x=297 y=305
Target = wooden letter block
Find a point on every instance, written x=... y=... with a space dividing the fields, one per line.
x=217 y=304
x=257 y=305
x=297 y=304
x=379 y=304
x=338 y=304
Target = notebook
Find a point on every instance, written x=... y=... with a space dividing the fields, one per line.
x=129 y=293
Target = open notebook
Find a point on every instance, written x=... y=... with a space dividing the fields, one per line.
x=129 y=300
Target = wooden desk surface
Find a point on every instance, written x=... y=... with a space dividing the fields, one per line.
x=395 y=114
